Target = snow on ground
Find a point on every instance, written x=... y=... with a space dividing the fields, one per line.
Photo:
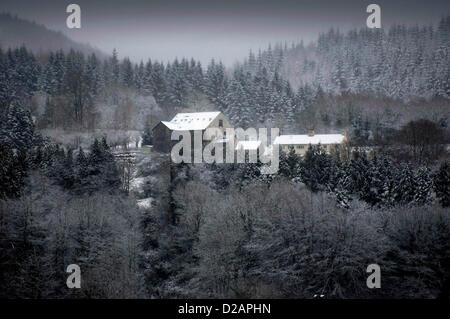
x=117 y=139
x=137 y=183
x=145 y=203
x=307 y=139
x=143 y=174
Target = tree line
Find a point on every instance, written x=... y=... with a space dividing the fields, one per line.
x=402 y=63
x=297 y=234
x=374 y=178
x=72 y=85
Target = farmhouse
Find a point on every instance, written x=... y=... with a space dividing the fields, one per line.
x=201 y=121
x=300 y=143
x=186 y=122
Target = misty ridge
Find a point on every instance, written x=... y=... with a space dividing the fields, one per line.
x=15 y=32
x=81 y=184
x=401 y=66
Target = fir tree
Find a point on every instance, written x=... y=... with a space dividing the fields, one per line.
x=12 y=172
x=441 y=184
x=147 y=136
x=315 y=168
x=424 y=186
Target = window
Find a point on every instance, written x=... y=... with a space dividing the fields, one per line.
x=220 y=123
x=300 y=147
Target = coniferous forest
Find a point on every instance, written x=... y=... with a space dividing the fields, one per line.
x=227 y=231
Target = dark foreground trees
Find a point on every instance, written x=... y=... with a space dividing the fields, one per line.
x=57 y=209
x=48 y=229
x=285 y=241
x=442 y=184
x=425 y=141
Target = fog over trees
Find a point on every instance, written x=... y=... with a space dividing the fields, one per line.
x=400 y=62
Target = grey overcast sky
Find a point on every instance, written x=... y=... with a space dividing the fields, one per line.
x=205 y=29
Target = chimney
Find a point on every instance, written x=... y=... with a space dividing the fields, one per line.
x=311 y=133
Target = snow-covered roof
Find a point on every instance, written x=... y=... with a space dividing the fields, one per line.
x=247 y=145
x=306 y=139
x=191 y=121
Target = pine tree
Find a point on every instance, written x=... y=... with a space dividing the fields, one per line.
x=96 y=157
x=358 y=170
x=12 y=172
x=424 y=186
x=91 y=77
x=115 y=67
x=248 y=173
x=237 y=102
x=315 y=168
x=16 y=127
x=68 y=174
x=148 y=85
x=147 y=136
x=81 y=171
x=405 y=188
x=48 y=81
x=126 y=73
x=215 y=84
x=441 y=184
x=139 y=76
x=158 y=82
x=339 y=184
x=197 y=80
x=177 y=89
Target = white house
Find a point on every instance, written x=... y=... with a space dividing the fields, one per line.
x=300 y=143
x=199 y=121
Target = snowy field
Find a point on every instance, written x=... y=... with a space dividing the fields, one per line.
x=117 y=139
